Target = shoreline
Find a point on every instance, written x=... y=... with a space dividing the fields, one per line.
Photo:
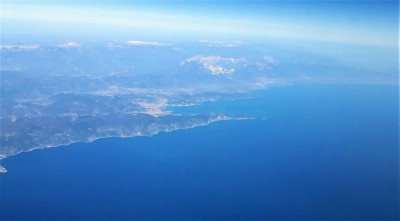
x=224 y=118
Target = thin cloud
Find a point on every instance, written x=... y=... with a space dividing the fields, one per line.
x=69 y=44
x=10 y=47
x=217 y=65
x=222 y=44
x=146 y=43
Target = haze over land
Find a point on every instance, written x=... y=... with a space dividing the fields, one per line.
x=72 y=72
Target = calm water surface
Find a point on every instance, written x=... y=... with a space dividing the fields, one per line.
x=323 y=152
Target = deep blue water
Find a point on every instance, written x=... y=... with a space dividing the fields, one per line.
x=324 y=152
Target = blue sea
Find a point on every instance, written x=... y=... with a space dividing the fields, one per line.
x=312 y=152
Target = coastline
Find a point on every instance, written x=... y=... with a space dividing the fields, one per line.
x=92 y=139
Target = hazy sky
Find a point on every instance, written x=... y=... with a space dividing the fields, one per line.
x=365 y=22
